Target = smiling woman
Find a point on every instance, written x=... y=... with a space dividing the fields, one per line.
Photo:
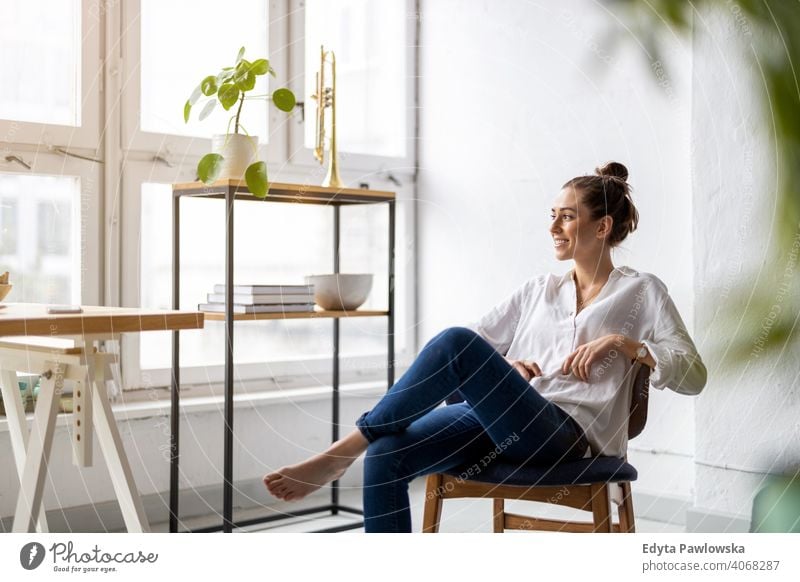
x=547 y=372
x=605 y=195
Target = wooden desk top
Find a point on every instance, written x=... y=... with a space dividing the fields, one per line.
x=19 y=319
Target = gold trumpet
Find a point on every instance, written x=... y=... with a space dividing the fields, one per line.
x=325 y=98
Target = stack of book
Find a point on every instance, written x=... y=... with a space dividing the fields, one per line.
x=262 y=299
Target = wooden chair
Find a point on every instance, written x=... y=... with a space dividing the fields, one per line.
x=588 y=484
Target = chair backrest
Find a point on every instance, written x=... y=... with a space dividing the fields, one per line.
x=639 y=397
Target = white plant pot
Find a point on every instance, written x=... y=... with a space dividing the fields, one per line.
x=238 y=151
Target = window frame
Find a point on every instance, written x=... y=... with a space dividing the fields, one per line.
x=85 y=136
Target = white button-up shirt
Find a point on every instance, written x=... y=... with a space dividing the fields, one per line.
x=538 y=322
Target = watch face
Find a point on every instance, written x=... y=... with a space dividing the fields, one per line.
x=641 y=352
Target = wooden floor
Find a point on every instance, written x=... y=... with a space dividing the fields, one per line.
x=460 y=515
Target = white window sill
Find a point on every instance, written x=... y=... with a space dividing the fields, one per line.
x=199 y=404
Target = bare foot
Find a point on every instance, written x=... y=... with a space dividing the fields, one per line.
x=296 y=481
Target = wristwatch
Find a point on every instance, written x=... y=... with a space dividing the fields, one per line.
x=641 y=352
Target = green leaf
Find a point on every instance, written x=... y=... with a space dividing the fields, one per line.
x=196 y=94
x=248 y=83
x=256 y=178
x=240 y=55
x=209 y=167
x=260 y=67
x=206 y=111
x=283 y=99
x=187 y=109
x=225 y=75
x=209 y=85
x=228 y=94
x=242 y=70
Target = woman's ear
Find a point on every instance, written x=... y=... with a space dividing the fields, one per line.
x=604 y=226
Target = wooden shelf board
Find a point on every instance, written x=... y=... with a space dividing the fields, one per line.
x=280 y=192
x=214 y=316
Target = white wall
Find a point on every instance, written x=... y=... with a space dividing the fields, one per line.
x=747 y=419
x=517 y=98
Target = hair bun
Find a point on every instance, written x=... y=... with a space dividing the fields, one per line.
x=614 y=169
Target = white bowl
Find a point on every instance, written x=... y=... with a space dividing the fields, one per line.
x=340 y=291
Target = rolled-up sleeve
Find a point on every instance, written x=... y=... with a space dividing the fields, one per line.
x=499 y=325
x=678 y=365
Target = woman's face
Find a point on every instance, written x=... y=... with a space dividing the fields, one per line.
x=575 y=235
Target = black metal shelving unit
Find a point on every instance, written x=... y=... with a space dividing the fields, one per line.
x=232 y=191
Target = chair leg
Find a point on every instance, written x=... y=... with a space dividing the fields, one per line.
x=626 y=518
x=433 y=504
x=499 y=516
x=601 y=510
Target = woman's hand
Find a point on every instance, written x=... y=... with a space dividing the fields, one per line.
x=527 y=368
x=580 y=361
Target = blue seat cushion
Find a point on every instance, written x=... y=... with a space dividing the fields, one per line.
x=580 y=472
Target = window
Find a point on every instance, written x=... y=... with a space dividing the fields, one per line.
x=170 y=69
x=374 y=47
x=164 y=65
x=50 y=203
x=55 y=226
x=41 y=250
x=369 y=41
x=277 y=243
x=51 y=69
x=45 y=67
x=274 y=243
x=9 y=219
x=71 y=234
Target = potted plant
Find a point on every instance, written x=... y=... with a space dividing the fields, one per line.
x=234 y=154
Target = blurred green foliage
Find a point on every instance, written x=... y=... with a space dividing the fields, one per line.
x=776 y=508
x=761 y=315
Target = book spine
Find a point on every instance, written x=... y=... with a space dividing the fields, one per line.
x=267 y=289
x=288 y=308
x=262 y=299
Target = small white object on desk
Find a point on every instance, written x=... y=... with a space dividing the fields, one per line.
x=64 y=309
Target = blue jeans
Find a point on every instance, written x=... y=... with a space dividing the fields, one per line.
x=503 y=416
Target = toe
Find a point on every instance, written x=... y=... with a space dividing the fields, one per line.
x=275 y=482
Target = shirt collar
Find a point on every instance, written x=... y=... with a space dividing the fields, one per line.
x=622 y=269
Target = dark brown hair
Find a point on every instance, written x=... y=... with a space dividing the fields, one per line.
x=608 y=194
